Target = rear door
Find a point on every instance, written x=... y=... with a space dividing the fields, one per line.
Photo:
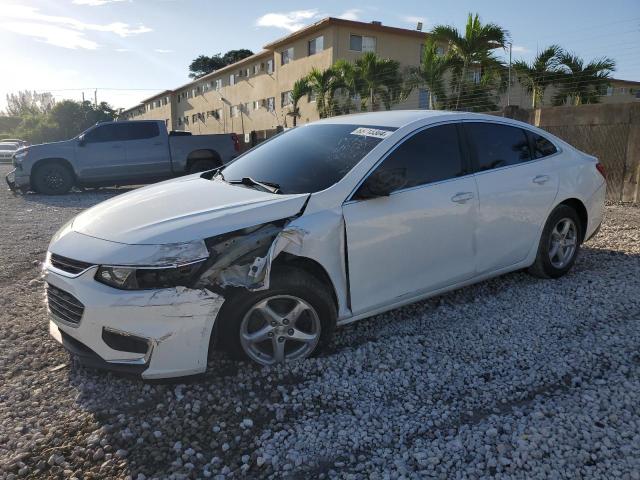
x=147 y=151
x=421 y=237
x=101 y=155
x=516 y=191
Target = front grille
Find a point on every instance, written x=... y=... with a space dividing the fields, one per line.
x=63 y=305
x=68 y=265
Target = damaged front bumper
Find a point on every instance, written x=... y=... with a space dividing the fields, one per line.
x=16 y=181
x=154 y=333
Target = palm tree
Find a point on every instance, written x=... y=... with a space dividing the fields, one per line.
x=300 y=89
x=379 y=80
x=323 y=84
x=348 y=81
x=472 y=48
x=430 y=73
x=539 y=74
x=582 y=83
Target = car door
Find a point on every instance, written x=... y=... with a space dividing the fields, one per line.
x=515 y=189
x=147 y=151
x=420 y=237
x=101 y=154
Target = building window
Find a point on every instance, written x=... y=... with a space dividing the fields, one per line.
x=234 y=111
x=257 y=68
x=271 y=104
x=286 y=56
x=179 y=121
x=316 y=45
x=194 y=118
x=286 y=98
x=359 y=43
x=475 y=76
x=195 y=91
x=218 y=84
x=270 y=66
x=218 y=114
x=256 y=104
x=166 y=100
x=186 y=120
x=232 y=79
x=312 y=96
x=246 y=108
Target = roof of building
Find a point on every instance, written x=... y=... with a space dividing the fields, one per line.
x=325 y=22
x=630 y=82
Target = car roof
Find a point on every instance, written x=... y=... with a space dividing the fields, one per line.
x=400 y=118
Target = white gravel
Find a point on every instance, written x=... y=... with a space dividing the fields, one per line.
x=513 y=378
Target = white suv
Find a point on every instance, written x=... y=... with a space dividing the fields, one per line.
x=320 y=226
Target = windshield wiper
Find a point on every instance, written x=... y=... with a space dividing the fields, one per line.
x=250 y=182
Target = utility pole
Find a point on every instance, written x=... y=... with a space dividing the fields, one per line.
x=83 y=98
x=509 y=85
x=95 y=98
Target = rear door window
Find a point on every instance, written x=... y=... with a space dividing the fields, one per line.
x=429 y=156
x=142 y=130
x=497 y=145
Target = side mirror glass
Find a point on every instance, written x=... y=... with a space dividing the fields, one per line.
x=382 y=183
x=81 y=141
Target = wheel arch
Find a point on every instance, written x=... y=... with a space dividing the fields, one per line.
x=203 y=154
x=308 y=265
x=579 y=207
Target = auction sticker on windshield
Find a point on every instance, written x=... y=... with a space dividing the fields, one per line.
x=371 y=132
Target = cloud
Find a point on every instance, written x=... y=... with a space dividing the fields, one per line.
x=162 y=50
x=413 y=19
x=122 y=50
x=95 y=3
x=351 y=14
x=60 y=31
x=291 y=21
x=51 y=34
x=519 y=49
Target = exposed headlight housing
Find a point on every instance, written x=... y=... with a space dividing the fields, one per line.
x=19 y=156
x=148 y=278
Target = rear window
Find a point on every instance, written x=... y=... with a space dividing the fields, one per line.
x=498 y=145
x=307 y=159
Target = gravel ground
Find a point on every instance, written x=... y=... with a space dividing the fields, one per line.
x=513 y=378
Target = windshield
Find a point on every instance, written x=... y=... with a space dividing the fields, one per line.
x=307 y=159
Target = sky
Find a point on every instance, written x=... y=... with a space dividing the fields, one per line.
x=128 y=50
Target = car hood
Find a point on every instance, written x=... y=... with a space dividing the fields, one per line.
x=182 y=210
x=50 y=148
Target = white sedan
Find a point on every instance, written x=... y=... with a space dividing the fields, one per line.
x=320 y=226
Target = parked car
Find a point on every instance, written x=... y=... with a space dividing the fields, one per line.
x=20 y=143
x=317 y=227
x=118 y=153
x=7 y=149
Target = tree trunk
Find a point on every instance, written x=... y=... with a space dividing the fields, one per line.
x=462 y=79
x=371 y=98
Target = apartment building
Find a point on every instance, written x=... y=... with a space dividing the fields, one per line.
x=254 y=93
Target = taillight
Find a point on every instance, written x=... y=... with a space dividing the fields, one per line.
x=236 y=142
x=601 y=169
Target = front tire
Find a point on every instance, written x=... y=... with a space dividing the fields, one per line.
x=559 y=244
x=289 y=321
x=52 y=179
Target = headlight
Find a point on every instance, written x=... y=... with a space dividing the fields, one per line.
x=20 y=156
x=133 y=278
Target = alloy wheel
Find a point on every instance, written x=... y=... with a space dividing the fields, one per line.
x=563 y=242
x=280 y=328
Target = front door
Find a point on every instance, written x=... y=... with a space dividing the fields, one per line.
x=147 y=151
x=101 y=155
x=421 y=237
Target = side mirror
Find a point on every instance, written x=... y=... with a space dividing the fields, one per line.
x=382 y=183
x=81 y=141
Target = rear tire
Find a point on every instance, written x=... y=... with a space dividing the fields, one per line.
x=302 y=309
x=559 y=244
x=52 y=178
x=203 y=165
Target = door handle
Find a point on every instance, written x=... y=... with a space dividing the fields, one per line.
x=541 y=179
x=462 y=197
